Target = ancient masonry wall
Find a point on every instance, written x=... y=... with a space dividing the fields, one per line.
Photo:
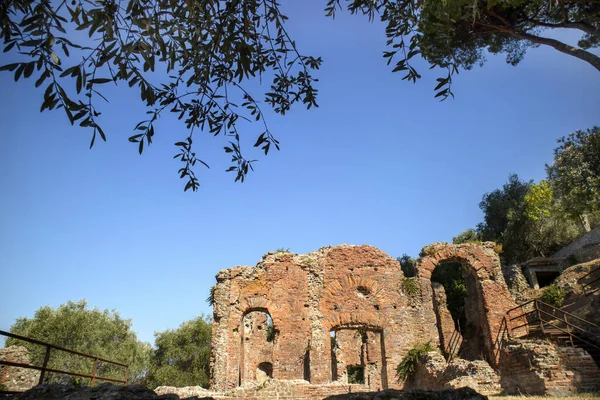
x=543 y=368
x=342 y=308
x=488 y=298
x=352 y=291
x=14 y=378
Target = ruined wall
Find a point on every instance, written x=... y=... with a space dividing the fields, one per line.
x=488 y=296
x=341 y=289
x=257 y=349
x=17 y=379
x=539 y=367
x=434 y=373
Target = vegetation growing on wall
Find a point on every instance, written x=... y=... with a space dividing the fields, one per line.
x=410 y=286
x=409 y=363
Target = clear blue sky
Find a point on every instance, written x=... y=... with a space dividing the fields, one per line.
x=380 y=162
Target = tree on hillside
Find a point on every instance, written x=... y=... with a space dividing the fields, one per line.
x=182 y=355
x=547 y=228
x=76 y=327
x=575 y=174
x=194 y=59
x=525 y=219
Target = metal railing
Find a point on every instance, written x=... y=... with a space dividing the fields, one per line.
x=93 y=377
x=544 y=316
x=595 y=277
x=454 y=345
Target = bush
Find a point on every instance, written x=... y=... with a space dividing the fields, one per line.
x=211 y=297
x=410 y=286
x=554 y=296
x=409 y=363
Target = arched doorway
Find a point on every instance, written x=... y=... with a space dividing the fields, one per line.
x=458 y=311
x=487 y=298
x=258 y=336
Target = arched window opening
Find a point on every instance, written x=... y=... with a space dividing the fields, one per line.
x=264 y=371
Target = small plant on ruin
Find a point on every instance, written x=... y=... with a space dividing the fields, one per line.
x=554 y=296
x=3 y=388
x=498 y=248
x=427 y=251
x=211 y=297
x=282 y=250
x=410 y=286
x=409 y=363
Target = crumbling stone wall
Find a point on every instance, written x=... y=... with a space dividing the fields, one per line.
x=539 y=367
x=356 y=294
x=434 y=373
x=14 y=378
x=341 y=289
x=488 y=298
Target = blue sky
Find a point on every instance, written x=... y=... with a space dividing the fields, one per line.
x=380 y=162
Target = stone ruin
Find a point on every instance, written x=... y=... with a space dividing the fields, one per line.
x=342 y=318
x=14 y=378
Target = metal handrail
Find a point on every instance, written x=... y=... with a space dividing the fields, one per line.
x=455 y=344
x=502 y=332
x=587 y=284
x=44 y=368
x=541 y=313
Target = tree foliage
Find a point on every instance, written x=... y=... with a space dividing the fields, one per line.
x=182 y=355
x=195 y=59
x=408 y=265
x=92 y=331
x=467 y=236
x=575 y=174
x=456 y=34
x=192 y=59
x=525 y=219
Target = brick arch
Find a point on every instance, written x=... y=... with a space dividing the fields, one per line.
x=337 y=290
x=483 y=264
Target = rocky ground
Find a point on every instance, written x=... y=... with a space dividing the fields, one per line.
x=109 y=391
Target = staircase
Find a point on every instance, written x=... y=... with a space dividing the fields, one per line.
x=590 y=281
x=536 y=319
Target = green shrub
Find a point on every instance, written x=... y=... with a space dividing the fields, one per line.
x=356 y=374
x=427 y=251
x=3 y=388
x=554 y=295
x=409 y=363
x=410 y=286
x=211 y=297
x=282 y=250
